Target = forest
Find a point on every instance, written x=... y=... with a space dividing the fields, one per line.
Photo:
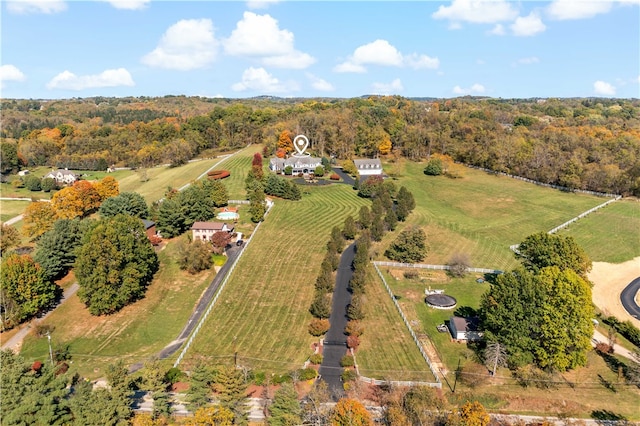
x=578 y=143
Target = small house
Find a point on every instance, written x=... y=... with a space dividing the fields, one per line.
x=465 y=329
x=205 y=230
x=23 y=172
x=368 y=167
x=62 y=176
x=150 y=227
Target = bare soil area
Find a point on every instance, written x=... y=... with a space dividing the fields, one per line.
x=609 y=279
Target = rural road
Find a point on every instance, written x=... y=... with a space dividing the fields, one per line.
x=335 y=346
x=201 y=307
x=16 y=341
x=627 y=297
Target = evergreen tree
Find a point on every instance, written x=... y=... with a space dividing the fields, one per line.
x=377 y=228
x=410 y=246
x=129 y=203
x=257 y=207
x=56 y=249
x=230 y=386
x=171 y=222
x=321 y=306
x=349 y=229
x=391 y=220
x=285 y=410
x=199 y=387
x=364 y=217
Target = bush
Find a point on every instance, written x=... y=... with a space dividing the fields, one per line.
x=354 y=328
x=41 y=330
x=308 y=374
x=259 y=378
x=353 y=342
x=316 y=359
x=48 y=184
x=347 y=361
x=173 y=375
x=411 y=274
x=288 y=170
x=626 y=329
x=348 y=375
x=334 y=176
x=33 y=183
x=318 y=327
x=458 y=264
x=434 y=167
x=319 y=171
x=604 y=348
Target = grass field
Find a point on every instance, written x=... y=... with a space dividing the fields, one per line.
x=611 y=234
x=135 y=333
x=11 y=208
x=262 y=313
x=482 y=214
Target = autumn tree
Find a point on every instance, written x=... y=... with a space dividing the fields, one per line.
x=89 y=195
x=25 y=289
x=285 y=141
x=220 y=240
x=68 y=203
x=230 y=387
x=350 y=412
x=211 y=416
x=410 y=246
x=107 y=187
x=154 y=381
x=115 y=264
x=9 y=237
x=470 y=414
x=256 y=166
x=38 y=218
x=384 y=148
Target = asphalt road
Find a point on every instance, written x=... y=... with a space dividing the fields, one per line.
x=627 y=297
x=201 y=307
x=335 y=340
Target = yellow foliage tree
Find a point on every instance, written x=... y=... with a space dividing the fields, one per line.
x=350 y=412
x=211 y=416
x=385 y=146
x=285 y=141
x=88 y=194
x=107 y=188
x=470 y=414
x=67 y=203
x=38 y=218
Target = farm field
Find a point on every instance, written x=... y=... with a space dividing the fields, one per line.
x=611 y=234
x=483 y=214
x=134 y=334
x=262 y=313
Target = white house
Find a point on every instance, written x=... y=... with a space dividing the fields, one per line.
x=205 y=230
x=368 y=167
x=304 y=164
x=23 y=172
x=62 y=176
x=465 y=329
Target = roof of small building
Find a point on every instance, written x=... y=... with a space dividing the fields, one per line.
x=465 y=323
x=368 y=163
x=148 y=223
x=210 y=226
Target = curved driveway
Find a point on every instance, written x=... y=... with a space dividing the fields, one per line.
x=627 y=297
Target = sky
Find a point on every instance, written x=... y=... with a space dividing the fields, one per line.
x=55 y=49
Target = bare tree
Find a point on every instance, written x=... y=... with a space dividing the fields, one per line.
x=495 y=355
x=458 y=264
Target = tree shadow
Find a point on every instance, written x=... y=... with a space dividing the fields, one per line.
x=606 y=416
x=490 y=278
x=465 y=312
x=607 y=384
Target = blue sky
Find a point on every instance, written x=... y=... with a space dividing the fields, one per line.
x=562 y=48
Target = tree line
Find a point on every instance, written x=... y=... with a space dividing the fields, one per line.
x=591 y=144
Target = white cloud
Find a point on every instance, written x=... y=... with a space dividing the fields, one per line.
x=473 y=90
x=259 y=80
x=388 y=88
x=188 y=44
x=108 y=78
x=381 y=52
x=603 y=88
x=477 y=11
x=260 y=36
x=129 y=4
x=498 y=30
x=528 y=25
x=320 y=84
x=528 y=61
x=10 y=73
x=572 y=9
x=36 y=6
x=261 y=4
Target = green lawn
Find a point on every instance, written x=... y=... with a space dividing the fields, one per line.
x=11 y=208
x=482 y=214
x=134 y=334
x=263 y=311
x=239 y=165
x=611 y=234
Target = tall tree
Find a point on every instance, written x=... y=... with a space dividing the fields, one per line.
x=410 y=246
x=350 y=412
x=349 y=228
x=257 y=207
x=230 y=386
x=107 y=187
x=211 y=416
x=154 y=379
x=115 y=264
x=199 y=386
x=25 y=289
x=130 y=203
x=68 y=203
x=217 y=192
x=38 y=218
x=171 y=221
x=285 y=410
x=56 y=249
x=9 y=238
x=541 y=250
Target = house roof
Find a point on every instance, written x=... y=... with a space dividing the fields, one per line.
x=296 y=161
x=368 y=163
x=148 y=223
x=62 y=172
x=210 y=226
x=465 y=324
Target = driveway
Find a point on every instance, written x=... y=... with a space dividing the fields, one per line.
x=627 y=297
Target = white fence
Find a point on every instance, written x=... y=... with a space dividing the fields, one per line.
x=437 y=267
x=398 y=382
x=581 y=215
x=438 y=383
x=215 y=298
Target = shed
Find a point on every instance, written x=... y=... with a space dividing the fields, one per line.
x=465 y=329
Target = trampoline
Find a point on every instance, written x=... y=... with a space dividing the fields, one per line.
x=441 y=301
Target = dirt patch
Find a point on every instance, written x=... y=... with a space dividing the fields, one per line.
x=609 y=279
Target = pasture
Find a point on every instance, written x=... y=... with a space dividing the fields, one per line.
x=12 y=208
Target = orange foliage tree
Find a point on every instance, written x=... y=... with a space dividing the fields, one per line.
x=38 y=218
x=385 y=146
x=470 y=414
x=350 y=412
x=213 y=416
x=107 y=188
x=67 y=203
x=88 y=194
x=285 y=141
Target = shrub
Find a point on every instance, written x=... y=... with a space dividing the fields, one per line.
x=348 y=376
x=604 y=348
x=458 y=264
x=33 y=183
x=319 y=171
x=173 y=375
x=347 y=361
x=316 y=359
x=41 y=330
x=318 y=327
x=279 y=379
x=48 y=184
x=434 y=167
x=259 y=378
x=288 y=170
x=411 y=274
x=354 y=328
x=334 y=176
x=353 y=342
x=218 y=174
x=308 y=374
